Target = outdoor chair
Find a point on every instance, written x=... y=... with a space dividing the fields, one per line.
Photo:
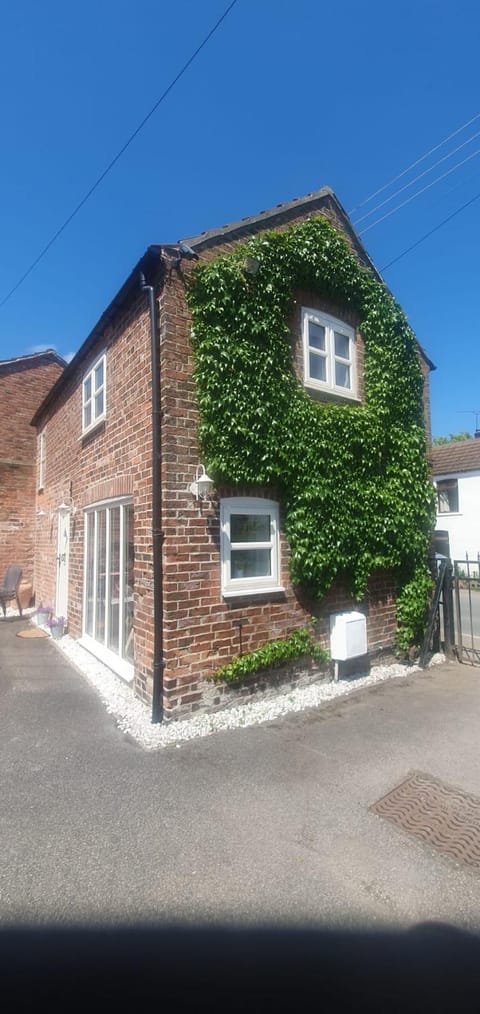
x=9 y=587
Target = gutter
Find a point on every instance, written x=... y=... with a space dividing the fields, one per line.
x=157 y=532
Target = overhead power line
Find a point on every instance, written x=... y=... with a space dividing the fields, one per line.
x=418 y=192
x=413 y=164
x=431 y=232
x=119 y=154
x=416 y=178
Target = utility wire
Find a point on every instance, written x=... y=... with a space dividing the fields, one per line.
x=418 y=192
x=119 y=154
x=420 y=176
x=413 y=164
x=430 y=233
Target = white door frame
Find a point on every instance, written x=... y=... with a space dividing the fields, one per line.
x=63 y=555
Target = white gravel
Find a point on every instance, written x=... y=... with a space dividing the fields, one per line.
x=134 y=717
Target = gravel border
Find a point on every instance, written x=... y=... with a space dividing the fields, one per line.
x=134 y=717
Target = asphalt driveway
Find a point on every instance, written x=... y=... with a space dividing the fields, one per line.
x=264 y=825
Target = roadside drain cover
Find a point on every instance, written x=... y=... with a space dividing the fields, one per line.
x=440 y=815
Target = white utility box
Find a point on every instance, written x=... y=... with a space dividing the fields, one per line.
x=348 y=636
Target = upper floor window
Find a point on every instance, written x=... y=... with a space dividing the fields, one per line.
x=447 y=496
x=94 y=395
x=250 y=552
x=41 y=459
x=328 y=354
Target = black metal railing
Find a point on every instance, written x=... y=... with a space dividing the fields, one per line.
x=440 y=626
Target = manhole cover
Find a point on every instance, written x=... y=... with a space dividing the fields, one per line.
x=440 y=815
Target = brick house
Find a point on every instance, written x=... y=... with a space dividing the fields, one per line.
x=94 y=555
x=24 y=383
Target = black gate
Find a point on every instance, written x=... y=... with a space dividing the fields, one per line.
x=454 y=620
x=466 y=586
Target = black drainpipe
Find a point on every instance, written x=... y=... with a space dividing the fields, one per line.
x=157 y=533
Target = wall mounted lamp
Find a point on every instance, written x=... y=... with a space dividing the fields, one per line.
x=65 y=508
x=202 y=484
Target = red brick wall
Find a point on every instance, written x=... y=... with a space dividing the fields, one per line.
x=112 y=460
x=24 y=383
x=200 y=634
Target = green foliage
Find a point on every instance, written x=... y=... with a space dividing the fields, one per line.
x=352 y=479
x=454 y=438
x=298 y=645
x=412 y=609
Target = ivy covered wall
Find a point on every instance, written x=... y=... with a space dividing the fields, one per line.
x=352 y=479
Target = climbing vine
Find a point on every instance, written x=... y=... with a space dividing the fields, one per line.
x=301 y=644
x=352 y=479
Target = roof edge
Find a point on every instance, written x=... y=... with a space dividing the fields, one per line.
x=152 y=256
x=33 y=357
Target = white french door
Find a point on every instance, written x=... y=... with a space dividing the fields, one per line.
x=108 y=583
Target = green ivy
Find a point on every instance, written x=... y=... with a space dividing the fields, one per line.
x=352 y=479
x=300 y=644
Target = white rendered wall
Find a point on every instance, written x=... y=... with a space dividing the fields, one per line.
x=463 y=528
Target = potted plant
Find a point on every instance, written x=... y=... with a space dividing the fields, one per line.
x=44 y=614
x=57 y=626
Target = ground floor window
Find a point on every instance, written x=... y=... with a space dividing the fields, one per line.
x=250 y=551
x=109 y=560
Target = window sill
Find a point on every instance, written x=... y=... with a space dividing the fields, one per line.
x=248 y=593
x=449 y=514
x=330 y=394
x=118 y=665
x=98 y=424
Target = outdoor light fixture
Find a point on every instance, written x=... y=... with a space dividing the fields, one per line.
x=202 y=484
x=251 y=265
x=65 y=508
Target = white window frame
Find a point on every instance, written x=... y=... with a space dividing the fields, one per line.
x=90 y=376
x=331 y=325
x=232 y=587
x=122 y=666
x=41 y=459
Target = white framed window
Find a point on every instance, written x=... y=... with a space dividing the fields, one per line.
x=447 y=496
x=250 y=546
x=41 y=459
x=109 y=584
x=94 y=395
x=328 y=354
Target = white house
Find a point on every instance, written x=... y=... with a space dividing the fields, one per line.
x=456 y=475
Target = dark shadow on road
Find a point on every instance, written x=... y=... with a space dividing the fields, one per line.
x=432 y=966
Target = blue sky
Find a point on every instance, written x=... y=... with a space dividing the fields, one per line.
x=285 y=98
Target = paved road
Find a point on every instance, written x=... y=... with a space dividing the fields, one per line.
x=264 y=825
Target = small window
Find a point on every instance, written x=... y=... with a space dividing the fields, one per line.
x=41 y=459
x=329 y=354
x=250 y=546
x=94 y=395
x=447 y=496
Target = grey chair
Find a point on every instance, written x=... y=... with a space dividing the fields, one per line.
x=9 y=587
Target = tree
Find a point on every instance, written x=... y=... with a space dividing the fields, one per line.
x=452 y=439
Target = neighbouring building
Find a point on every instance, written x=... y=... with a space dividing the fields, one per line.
x=225 y=580
x=24 y=383
x=456 y=475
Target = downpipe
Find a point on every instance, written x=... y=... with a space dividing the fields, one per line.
x=157 y=532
